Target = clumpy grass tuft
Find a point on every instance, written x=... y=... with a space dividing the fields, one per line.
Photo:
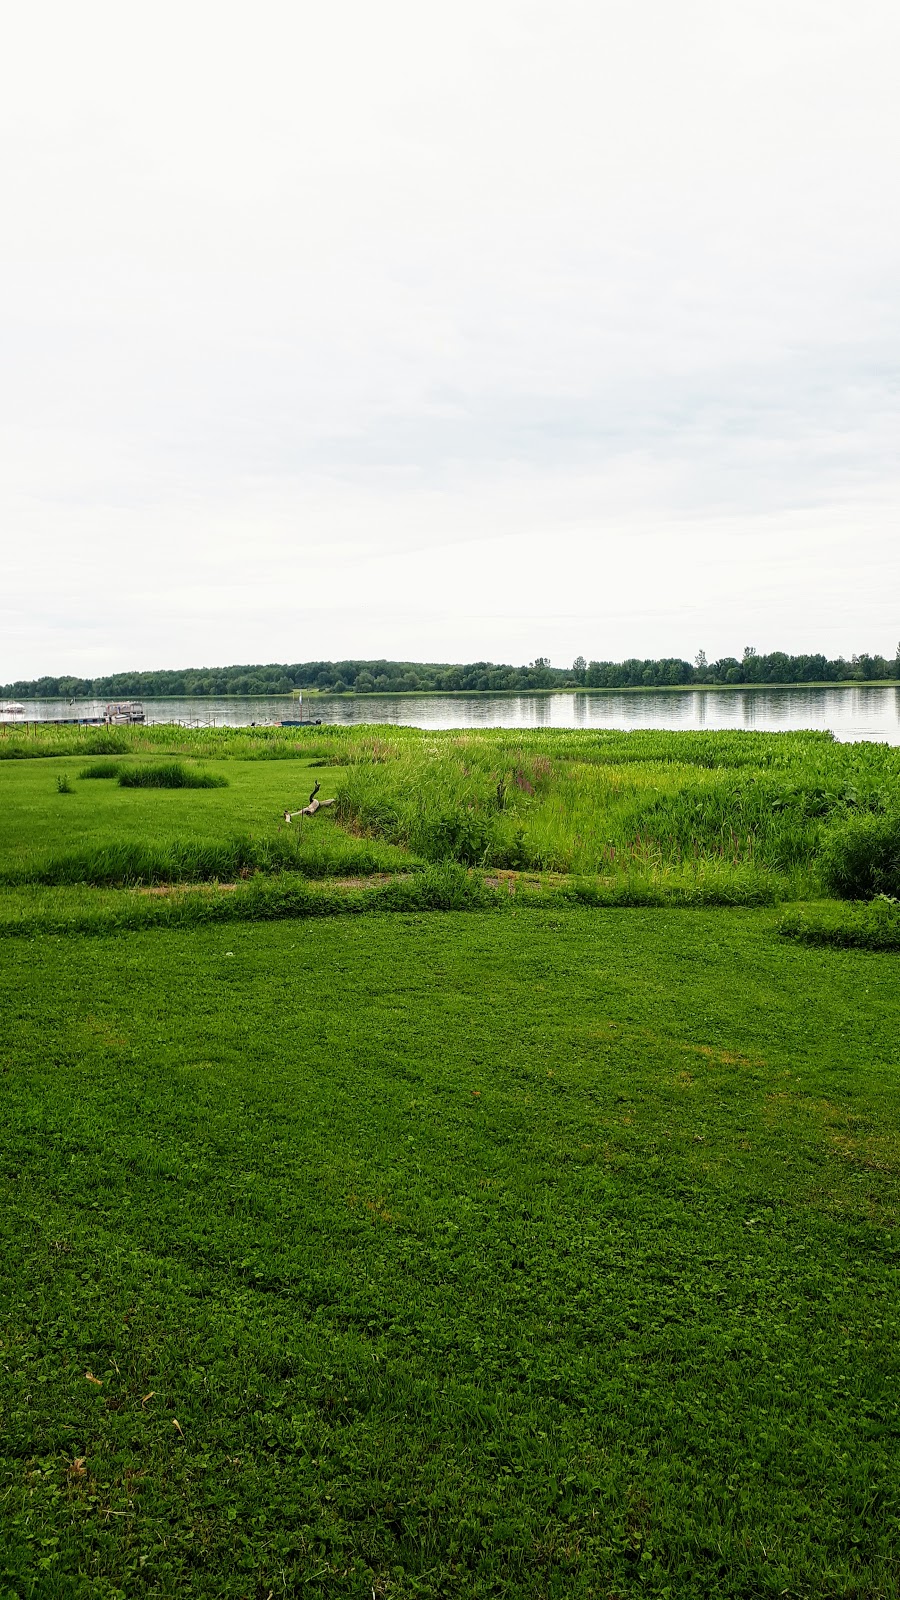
x=101 y=769
x=170 y=775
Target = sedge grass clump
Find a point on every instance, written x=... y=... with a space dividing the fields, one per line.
x=101 y=769
x=170 y=775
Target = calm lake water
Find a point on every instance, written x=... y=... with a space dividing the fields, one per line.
x=853 y=713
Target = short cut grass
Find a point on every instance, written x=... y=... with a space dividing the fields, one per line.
x=531 y=1258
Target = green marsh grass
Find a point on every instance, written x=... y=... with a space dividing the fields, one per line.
x=343 y=745
x=617 y=808
x=607 y=806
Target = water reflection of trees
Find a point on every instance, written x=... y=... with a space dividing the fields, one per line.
x=854 y=712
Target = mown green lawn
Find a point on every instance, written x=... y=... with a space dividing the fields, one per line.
x=36 y=821
x=537 y=1255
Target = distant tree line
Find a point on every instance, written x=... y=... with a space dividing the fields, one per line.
x=394 y=677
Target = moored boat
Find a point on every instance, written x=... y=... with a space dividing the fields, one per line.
x=118 y=711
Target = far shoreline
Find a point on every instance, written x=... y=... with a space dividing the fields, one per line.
x=482 y=694
x=566 y=688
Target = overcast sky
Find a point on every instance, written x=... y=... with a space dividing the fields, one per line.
x=447 y=332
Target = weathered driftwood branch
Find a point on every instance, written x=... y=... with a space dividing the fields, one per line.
x=308 y=811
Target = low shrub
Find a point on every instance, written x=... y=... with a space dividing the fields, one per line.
x=862 y=857
x=464 y=835
x=170 y=775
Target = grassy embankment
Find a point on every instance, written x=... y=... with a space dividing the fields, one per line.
x=540 y=1251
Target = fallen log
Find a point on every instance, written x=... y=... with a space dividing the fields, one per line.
x=310 y=810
